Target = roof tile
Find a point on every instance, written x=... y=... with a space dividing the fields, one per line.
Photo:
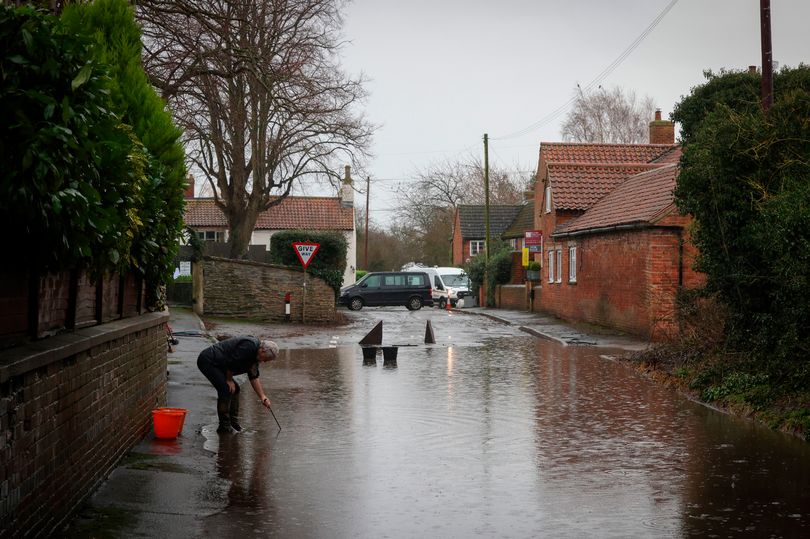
x=578 y=186
x=471 y=220
x=576 y=152
x=640 y=199
x=292 y=213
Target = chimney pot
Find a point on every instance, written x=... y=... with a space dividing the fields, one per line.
x=661 y=131
x=348 y=175
x=752 y=70
x=657 y=115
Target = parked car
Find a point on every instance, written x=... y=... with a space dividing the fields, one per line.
x=449 y=284
x=385 y=288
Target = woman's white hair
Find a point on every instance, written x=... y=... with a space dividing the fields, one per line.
x=269 y=347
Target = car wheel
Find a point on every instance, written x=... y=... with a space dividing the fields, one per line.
x=355 y=304
x=414 y=304
x=443 y=303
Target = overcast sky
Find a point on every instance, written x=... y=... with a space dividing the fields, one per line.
x=444 y=72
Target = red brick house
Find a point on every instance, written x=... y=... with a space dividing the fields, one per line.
x=616 y=249
x=469 y=228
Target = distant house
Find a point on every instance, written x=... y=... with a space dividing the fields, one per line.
x=616 y=250
x=469 y=228
x=323 y=214
x=515 y=236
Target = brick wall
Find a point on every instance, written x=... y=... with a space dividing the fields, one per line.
x=625 y=280
x=513 y=297
x=256 y=290
x=70 y=407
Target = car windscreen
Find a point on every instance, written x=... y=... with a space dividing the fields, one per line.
x=456 y=279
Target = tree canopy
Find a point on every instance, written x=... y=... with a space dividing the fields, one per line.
x=745 y=177
x=258 y=88
x=608 y=116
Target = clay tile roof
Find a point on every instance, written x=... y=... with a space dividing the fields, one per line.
x=578 y=186
x=640 y=199
x=673 y=155
x=471 y=220
x=523 y=222
x=601 y=153
x=303 y=213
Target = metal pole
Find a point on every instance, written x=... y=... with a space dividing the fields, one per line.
x=486 y=217
x=767 y=54
x=365 y=240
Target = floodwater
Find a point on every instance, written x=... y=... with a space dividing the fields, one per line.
x=518 y=437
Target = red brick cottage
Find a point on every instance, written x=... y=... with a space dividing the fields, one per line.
x=616 y=249
x=469 y=229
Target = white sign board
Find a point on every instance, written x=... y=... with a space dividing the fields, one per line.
x=185 y=267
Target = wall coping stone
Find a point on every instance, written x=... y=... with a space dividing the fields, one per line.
x=22 y=359
x=247 y=262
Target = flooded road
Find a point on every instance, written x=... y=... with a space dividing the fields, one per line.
x=497 y=434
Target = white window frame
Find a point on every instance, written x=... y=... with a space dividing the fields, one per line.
x=559 y=266
x=479 y=244
x=572 y=264
x=548 y=199
x=551 y=265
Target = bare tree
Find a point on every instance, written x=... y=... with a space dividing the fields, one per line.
x=258 y=88
x=608 y=116
x=427 y=206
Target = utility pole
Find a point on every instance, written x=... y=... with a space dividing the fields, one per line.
x=365 y=237
x=486 y=216
x=767 y=54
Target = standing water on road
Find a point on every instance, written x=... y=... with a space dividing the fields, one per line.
x=518 y=437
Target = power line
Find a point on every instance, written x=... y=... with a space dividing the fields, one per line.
x=597 y=80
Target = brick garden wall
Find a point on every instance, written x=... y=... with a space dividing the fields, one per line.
x=512 y=297
x=256 y=290
x=70 y=407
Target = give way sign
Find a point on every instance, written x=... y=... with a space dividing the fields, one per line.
x=305 y=251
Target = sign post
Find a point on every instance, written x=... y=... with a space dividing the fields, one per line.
x=305 y=251
x=533 y=239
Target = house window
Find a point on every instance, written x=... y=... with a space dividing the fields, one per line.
x=548 y=199
x=476 y=246
x=558 y=273
x=210 y=235
x=550 y=266
x=513 y=243
x=572 y=264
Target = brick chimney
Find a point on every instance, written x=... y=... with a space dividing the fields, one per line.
x=347 y=190
x=189 y=193
x=661 y=131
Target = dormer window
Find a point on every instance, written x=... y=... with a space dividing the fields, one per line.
x=548 y=199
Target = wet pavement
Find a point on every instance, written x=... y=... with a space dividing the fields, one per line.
x=489 y=432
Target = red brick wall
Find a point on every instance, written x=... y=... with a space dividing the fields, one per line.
x=626 y=280
x=512 y=297
x=70 y=407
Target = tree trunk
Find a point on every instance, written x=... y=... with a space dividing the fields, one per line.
x=240 y=225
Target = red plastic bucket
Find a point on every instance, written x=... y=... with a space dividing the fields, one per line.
x=168 y=422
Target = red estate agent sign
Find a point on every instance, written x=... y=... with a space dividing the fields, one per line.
x=305 y=251
x=533 y=239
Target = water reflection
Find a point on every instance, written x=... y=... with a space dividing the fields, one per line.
x=517 y=438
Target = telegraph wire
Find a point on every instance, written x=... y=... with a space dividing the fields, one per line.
x=596 y=81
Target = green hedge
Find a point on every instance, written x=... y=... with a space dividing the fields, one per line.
x=93 y=172
x=329 y=263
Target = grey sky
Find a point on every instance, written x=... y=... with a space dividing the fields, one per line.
x=444 y=72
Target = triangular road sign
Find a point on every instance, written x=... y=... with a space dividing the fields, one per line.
x=305 y=251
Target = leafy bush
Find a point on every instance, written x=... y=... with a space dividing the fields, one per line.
x=93 y=173
x=746 y=180
x=163 y=173
x=72 y=172
x=329 y=263
x=533 y=266
x=499 y=270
